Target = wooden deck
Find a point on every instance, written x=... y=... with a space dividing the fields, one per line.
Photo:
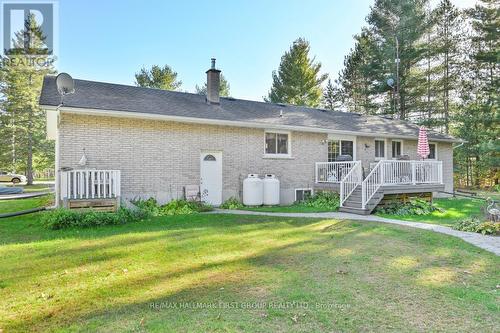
x=353 y=203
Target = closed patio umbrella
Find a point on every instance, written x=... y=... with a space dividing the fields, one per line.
x=423 y=143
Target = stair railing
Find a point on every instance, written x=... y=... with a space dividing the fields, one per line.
x=350 y=181
x=372 y=183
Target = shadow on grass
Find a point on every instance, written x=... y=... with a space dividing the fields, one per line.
x=285 y=260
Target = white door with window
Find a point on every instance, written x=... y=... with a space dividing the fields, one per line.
x=211 y=177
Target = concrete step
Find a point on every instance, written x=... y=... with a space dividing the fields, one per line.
x=354 y=210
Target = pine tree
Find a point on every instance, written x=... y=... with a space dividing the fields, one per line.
x=22 y=121
x=297 y=80
x=332 y=97
x=158 y=77
x=223 y=87
x=447 y=39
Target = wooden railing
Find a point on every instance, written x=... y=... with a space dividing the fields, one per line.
x=333 y=172
x=350 y=181
x=90 y=184
x=400 y=173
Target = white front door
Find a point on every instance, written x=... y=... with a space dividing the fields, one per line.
x=211 y=177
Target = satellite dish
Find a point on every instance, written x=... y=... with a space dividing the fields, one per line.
x=65 y=84
x=390 y=82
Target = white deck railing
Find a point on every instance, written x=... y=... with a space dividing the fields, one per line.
x=400 y=173
x=333 y=172
x=349 y=183
x=90 y=184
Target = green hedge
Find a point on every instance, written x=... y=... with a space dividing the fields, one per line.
x=65 y=218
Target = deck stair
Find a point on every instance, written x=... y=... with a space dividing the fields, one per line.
x=353 y=203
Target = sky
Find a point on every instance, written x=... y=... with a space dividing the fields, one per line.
x=111 y=40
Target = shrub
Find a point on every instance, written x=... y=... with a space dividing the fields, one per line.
x=181 y=207
x=232 y=203
x=469 y=224
x=324 y=200
x=413 y=207
x=474 y=224
x=489 y=228
x=149 y=206
x=65 y=218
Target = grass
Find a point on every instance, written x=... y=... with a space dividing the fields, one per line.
x=455 y=209
x=34 y=187
x=295 y=208
x=225 y=273
x=8 y=206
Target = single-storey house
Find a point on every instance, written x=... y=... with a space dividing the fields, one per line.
x=127 y=141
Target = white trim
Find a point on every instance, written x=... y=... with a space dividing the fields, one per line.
x=336 y=137
x=375 y=149
x=435 y=150
x=302 y=189
x=402 y=151
x=288 y=155
x=140 y=115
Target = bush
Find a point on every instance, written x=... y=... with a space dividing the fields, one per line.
x=413 y=207
x=474 y=224
x=149 y=206
x=174 y=207
x=232 y=203
x=469 y=224
x=323 y=200
x=65 y=218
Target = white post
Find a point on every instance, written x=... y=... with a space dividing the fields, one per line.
x=413 y=173
x=382 y=175
x=363 y=195
x=316 y=172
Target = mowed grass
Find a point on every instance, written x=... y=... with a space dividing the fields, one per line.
x=226 y=273
x=295 y=208
x=454 y=210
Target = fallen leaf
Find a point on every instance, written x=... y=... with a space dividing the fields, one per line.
x=341 y=272
x=142 y=322
x=295 y=318
x=125 y=270
x=218 y=316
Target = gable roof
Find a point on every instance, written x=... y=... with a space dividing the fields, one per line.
x=100 y=96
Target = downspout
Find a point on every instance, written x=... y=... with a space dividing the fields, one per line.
x=56 y=162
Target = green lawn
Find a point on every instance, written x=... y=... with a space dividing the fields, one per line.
x=34 y=187
x=8 y=206
x=202 y=273
x=295 y=208
x=455 y=209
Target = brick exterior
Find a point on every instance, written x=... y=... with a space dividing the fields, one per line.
x=158 y=158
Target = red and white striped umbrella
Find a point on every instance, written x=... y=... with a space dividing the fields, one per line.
x=423 y=143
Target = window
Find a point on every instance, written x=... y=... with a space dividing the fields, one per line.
x=209 y=158
x=379 y=149
x=339 y=147
x=432 y=151
x=302 y=194
x=277 y=143
x=396 y=148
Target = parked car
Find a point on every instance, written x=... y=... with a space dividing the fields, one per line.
x=11 y=177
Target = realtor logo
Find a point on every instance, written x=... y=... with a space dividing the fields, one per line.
x=28 y=28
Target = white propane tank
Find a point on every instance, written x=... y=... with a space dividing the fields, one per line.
x=253 y=190
x=271 y=190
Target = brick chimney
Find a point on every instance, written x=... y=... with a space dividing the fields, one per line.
x=213 y=84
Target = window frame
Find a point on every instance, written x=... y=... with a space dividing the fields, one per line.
x=340 y=138
x=302 y=189
x=375 y=149
x=435 y=151
x=392 y=150
x=278 y=155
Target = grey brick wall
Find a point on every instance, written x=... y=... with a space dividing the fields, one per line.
x=158 y=158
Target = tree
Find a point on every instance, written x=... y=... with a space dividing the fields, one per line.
x=447 y=38
x=157 y=77
x=22 y=121
x=223 y=87
x=332 y=96
x=478 y=117
x=297 y=80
